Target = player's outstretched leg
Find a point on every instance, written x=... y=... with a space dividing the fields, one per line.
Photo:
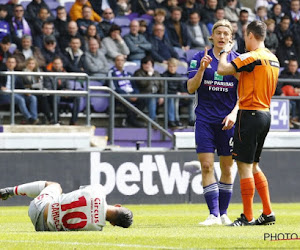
x=31 y=189
x=5 y=193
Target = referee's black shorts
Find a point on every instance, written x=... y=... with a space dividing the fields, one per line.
x=251 y=129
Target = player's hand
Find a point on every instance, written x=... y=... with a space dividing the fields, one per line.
x=229 y=121
x=228 y=47
x=205 y=61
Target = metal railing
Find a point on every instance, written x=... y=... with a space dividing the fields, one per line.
x=111 y=94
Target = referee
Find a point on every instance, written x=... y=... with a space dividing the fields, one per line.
x=258 y=74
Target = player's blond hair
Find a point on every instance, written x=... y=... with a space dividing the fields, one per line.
x=224 y=23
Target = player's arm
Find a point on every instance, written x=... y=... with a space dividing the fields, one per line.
x=230 y=119
x=224 y=67
x=194 y=83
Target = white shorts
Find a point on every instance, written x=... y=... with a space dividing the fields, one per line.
x=37 y=206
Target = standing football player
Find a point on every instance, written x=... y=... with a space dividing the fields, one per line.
x=83 y=209
x=216 y=110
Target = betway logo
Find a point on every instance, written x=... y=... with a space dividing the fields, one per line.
x=130 y=178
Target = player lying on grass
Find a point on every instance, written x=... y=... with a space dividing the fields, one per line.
x=83 y=209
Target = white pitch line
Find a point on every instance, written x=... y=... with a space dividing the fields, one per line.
x=89 y=244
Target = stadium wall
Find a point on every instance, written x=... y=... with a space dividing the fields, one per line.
x=140 y=177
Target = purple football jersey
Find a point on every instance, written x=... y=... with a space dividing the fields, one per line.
x=217 y=95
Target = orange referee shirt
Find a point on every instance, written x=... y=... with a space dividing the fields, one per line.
x=258 y=79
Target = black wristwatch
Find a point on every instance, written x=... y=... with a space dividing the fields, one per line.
x=222 y=51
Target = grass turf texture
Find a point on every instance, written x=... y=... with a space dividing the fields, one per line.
x=155 y=227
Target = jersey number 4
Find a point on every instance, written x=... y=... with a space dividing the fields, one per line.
x=81 y=202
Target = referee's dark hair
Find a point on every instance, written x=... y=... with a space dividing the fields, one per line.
x=258 y=29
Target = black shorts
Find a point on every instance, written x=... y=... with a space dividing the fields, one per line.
x=251 y=129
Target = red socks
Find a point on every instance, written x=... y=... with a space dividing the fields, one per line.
x=261 y=184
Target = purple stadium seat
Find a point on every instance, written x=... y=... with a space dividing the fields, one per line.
x=68 y=6
x=25 y=3
x=147 y=17
x=132 y=16
x=160 y=69
x=122 y=21
x=124 y=31
x=181 y=70
x=190 y=53
x=99 y=104
x=131 y=68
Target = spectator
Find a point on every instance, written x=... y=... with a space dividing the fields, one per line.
x=261 y=13
x=283 y=29
x=286 y=50
x=197 y=32
x=86 y=19
x=294 y=13
x=190 y=6
x=177 y=31
x=219 y=14
x=62 y=84
x=10 y=6
x=91 y=32
x=159 y=17
x=266 y=3
x=239 y=43
x=137 y=43
x=291 y=89
x=72 y=32
x=123 y=8
x=243 y=20
x=37 y=82
x=174 y=88
x=208 y=12
x=76 y=11
x=28 y=51
x=95 y=63
x=276 y=14
x=75 y=56
x=125 y=86
x=4 y=25
x=99 y=6
x=19 y=26
x=4 y=51
x=41 y=18
x=50 y=50
x=108 y=17
x=143 y=7
x=162 y=50
x=61 y=21
x=26 y=103
x=33 y=9
x=232 y=12
x=149 y=87
x=47 y=30
x=143 y=27
x=291 y=72
x=168 y=5
x=285 y=4
x=271 y=41
x=114 y=44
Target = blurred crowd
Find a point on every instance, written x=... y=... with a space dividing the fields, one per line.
x=132 y=37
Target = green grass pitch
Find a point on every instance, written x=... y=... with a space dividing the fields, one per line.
x=156 y=227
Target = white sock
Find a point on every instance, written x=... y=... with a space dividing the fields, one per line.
x=31 y=189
